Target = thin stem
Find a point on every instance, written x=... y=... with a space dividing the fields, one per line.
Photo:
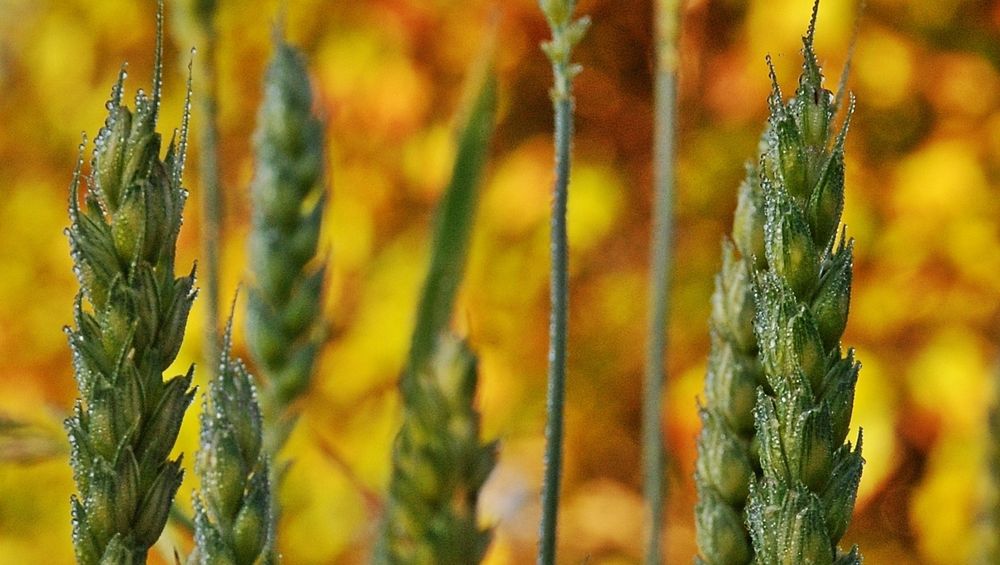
x=211 y=198
x=559 y=316
x=667 y=24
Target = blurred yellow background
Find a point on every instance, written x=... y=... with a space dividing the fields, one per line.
x=923 y=202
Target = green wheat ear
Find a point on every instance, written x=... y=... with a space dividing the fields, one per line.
x=284 y=320
x=801 y=505
x=439 y=465
x=779 y=390
x=129 y=319
x=233 y=518
x=438 y=462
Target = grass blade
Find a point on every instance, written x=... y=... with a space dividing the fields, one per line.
x=452 y=231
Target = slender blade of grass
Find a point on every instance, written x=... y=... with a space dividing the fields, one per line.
x=452 y=231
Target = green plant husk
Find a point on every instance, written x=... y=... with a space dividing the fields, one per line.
x=779 y=391
x=284 y=316
x=439 y=466
x=438 y=463
x=129 y=319
x=233 y=518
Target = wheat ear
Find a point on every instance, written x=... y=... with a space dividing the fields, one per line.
x=284 y=320
x=233 y=521
x=439 y=464
x=780 y=391
x=129 y=321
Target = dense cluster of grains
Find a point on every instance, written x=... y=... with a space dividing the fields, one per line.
x=288 y=197
x=129 y=319
x=776 y=480
x=439 y=466
x=233 y=518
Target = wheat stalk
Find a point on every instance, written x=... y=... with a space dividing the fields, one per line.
x=200 y=17
x=129 y=321
x=777 y=377
x=284 y=320
x=438 y=462
x=661 y=253
x=233 y=518
x=989 y=515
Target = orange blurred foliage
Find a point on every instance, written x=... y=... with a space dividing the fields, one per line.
x=923 y=203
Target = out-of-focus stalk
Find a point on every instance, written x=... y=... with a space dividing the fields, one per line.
x=989 y=552
x=439 y=464
x=661 y=253
x=284 y=325
x=566 y=33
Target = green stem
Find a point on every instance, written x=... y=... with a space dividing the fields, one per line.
x=211 y=202
x=558 y=318
x=566 y=33
x=667 y=23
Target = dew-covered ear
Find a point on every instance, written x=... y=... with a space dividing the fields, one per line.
x=129 y=320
